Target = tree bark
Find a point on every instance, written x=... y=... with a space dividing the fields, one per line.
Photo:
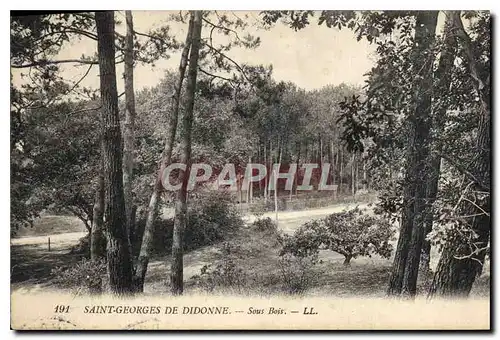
x=187 y=122
x=118 y=252
x=365 y=179
x=353 y=175
x=459 y=265
x=128 y=134
x=443 y=75
x=341 y=172
x=424 y=38
x=406 y=262
x=165 y=159
x=97 y=241
x=265 y=178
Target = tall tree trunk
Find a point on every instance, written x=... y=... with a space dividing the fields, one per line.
x=424 y=38
x=365 y=179
x=341 y=172
x=260 y=159
x=275 y=179
x=321 y=151
x=118 y=252
x=128 y=134
x=296 y=178
x=459 y=265
x=250 y=185
x=267 y=176
x=406 y=263
x=353 y=174
x=187 y=123
x=443 y=75
x=152 y=212
x=97 y=240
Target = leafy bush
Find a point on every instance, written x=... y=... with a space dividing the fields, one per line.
x=296 y=272
x=265 y=224
x=86 y=276
x=223 y=274
x=351 y=233
x=209 y=220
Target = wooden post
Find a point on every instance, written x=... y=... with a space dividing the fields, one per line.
x=49 y=243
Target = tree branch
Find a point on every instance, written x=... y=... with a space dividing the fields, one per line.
x=54 y=62
x=464 y=171
x=222 y=28
x=231 y=60
x=215 y=76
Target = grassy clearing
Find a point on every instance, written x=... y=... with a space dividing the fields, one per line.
x=254 y=252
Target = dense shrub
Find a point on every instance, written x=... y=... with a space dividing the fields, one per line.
x=351 y=233
x=209 y=220
x=85 y=276
x=224 y=274
x=296 y=272
x=265 y=224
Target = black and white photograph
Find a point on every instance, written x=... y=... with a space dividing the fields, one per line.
x=264 y=170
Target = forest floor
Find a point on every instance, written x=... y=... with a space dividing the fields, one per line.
x=254 y=255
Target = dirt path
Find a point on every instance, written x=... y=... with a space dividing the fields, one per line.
x=57 y=241
x=288 y=221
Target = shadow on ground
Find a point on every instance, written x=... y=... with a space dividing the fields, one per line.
x=33 y=264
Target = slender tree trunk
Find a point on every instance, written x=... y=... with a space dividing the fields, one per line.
x=443 y=75
x=250 y=184
x=265 y=178
x=261 y=159
x=118 y=251
x=152 y=212
x=187 y=123
x=341 y=169
x=275 y=179
x=353 y=175
x=461 y=262
x=270 y=160
x=321 y=151
x=296 y=178
x=97 y=240
x=128 y=134
x=424 y=38
x=365 y=180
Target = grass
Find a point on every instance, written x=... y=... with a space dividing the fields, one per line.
x=255 y=252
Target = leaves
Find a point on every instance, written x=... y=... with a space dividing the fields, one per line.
x=351 y=233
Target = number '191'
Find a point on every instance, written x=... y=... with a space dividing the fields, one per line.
x=61 y=309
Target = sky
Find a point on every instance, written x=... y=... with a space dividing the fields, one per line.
x=311 y=58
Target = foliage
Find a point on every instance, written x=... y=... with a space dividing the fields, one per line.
x=265 y=224
x=48 y=175
x=296 y=272
x=211 y=218
x=224 y=274
x=85 y=276
x=350 y=233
